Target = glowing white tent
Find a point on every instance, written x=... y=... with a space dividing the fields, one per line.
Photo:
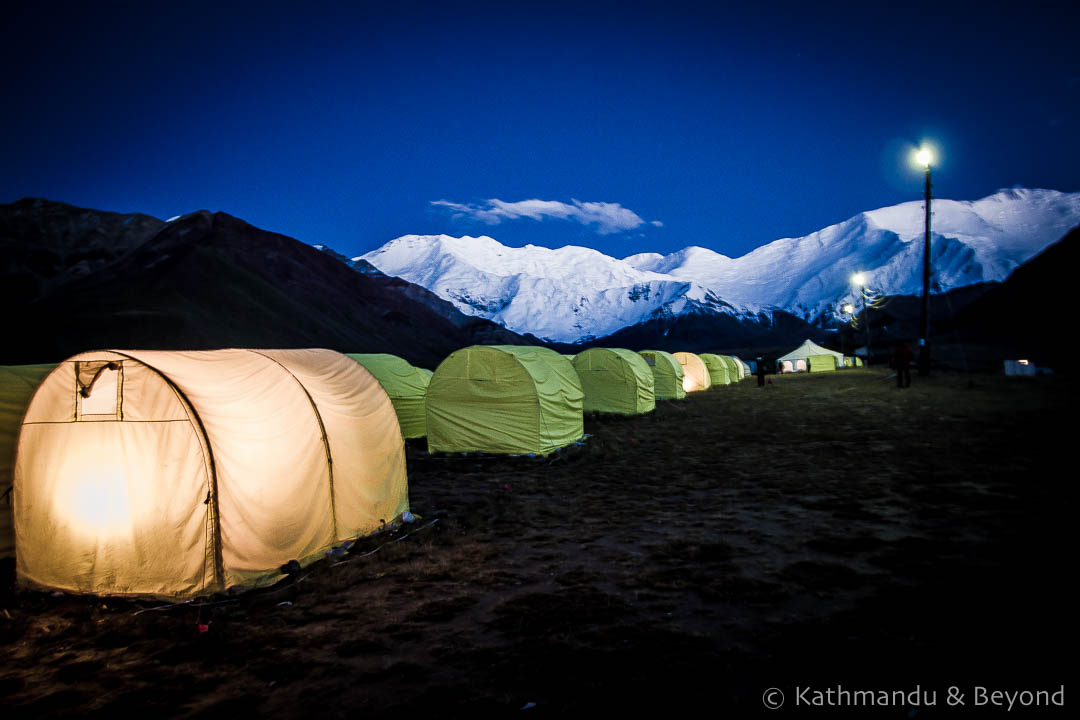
x=176 y=474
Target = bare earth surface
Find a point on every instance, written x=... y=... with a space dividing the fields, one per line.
x=824 y=531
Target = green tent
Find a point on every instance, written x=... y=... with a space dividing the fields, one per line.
x=406 y=385
x=17 y=384
x=504 y=399
x=718 y=369
x=667 y=374
x=822 y=363
x=743 y=368
x=732 y=368
x=615 y=381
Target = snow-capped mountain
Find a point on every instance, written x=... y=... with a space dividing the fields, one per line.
x=575 y=293
x=971 y=242
x=564 y=295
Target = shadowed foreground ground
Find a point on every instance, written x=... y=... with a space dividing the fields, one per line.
x=827 y=530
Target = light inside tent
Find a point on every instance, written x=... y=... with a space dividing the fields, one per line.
x=1023 y=362
x=97 y=501
x=695 y=374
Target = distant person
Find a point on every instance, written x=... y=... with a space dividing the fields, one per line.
x=760 y=371
x=902 y=362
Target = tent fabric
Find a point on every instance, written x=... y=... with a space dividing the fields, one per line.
x=406 y=385
x=504 y=399
x=822 y=363
x=177 y=474
x=17 y=385
x=667 y=374
x=808 y=349
x=695 y=373
x=718 y=369
x=744 y=369
x=615 y=380
x=732 y=367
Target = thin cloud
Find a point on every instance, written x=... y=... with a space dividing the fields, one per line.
x=606 y=217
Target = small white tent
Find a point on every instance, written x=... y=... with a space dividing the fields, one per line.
x=805 y=351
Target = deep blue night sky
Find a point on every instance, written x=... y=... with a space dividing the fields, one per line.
x=730 y=127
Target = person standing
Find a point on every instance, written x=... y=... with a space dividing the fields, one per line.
x=902 y=362
x=760 y=371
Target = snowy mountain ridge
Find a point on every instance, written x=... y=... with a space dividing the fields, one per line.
x=567 y=294
x=572 y=293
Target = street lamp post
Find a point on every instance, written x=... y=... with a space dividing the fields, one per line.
x=860 y=280
x=847 y=309
x=923 y=157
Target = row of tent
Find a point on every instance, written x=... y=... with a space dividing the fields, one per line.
x=480 y=389
x=178 y=474
x=525 y=399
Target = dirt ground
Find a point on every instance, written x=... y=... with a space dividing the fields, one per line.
x=824 y=531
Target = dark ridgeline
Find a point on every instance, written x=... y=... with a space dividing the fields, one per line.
x=976 y=327
x=715 y=332
x=76 y=279
x=1028 y=315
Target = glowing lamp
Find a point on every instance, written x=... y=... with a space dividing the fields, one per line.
x=859 y=279
x=923 y=157
x=849 y=309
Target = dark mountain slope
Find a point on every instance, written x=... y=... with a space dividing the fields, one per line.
x=1027 y=316
x=44 y=244
x=209 y=280
x=713 y=332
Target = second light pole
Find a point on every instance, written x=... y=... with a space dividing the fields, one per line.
x=923 y=157
x=860 y=280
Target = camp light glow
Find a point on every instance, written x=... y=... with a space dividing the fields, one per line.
x=97 y=501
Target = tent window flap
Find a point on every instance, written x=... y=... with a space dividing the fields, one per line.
x=99 y=389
